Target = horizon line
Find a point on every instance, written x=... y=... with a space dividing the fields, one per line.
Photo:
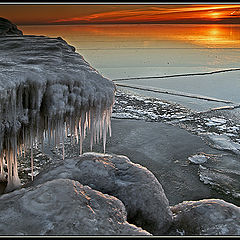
x=27 y=24
x=118 y=3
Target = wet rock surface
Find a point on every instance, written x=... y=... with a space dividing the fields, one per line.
x=63 y=207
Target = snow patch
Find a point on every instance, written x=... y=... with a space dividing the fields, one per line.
x=214 y=121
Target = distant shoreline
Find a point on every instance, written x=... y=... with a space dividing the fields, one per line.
x=72 y=24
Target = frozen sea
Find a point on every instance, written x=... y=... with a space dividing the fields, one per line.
x=123 y=51
x=187 y=75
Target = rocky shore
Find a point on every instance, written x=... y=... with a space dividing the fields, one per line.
x=102 y=194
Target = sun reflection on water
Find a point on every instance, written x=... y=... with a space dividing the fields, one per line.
x=151 y=35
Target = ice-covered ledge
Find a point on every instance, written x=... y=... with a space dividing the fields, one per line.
x=47 y=90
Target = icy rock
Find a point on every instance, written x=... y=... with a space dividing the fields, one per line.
x=63 y=207
x=139 y=190
x=207 y=217
x=8 y=28
x=47 y=90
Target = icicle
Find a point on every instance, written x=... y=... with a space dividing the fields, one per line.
x=80 y=143
x=89 y=119
x=9 y=166
x=92 y=136
x=66 y=131
x=32 y=161
x=98 y=130
x=109 y=121
x=76 y=133
x=84 y=126
x=94 y=121
x=86 y=121
x=13 y=179
x=2 y=172
x=104 y=136
x=63 y=150
x=16 y=180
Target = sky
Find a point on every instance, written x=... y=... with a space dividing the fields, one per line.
x=21 y=14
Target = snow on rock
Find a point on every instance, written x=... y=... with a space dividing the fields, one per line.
x=47 y=90
x=135 y=107
x=139 y=190
x=214 y=121
x=63 y=207
x=8 y=28
x=206 y=217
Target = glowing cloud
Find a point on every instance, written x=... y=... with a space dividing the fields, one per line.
x=121 y=13
x=159 y=13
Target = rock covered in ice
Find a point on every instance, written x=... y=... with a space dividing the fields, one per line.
x=63 y=207
x=207 y=217
x=8 y=28
x=139 y=190
x=47 y=90
x=44 y=76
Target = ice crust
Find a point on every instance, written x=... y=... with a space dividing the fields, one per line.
x=47 y=90
x=198 y=158
x=222 y=142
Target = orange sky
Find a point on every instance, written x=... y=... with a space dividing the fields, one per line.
x=120 y=13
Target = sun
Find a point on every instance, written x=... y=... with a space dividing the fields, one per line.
x=214 y=14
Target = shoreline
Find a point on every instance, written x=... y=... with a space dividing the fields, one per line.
x=217 y=129
x=157 y=144
x=166 y=157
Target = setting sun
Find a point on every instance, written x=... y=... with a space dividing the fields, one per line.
x=215 y=14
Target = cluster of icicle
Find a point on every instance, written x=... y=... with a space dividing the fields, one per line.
x=47 y=90
x=54 y=130
x=29 y=115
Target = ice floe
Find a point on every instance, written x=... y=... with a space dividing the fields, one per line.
x=222 y=142
x=198 y=158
